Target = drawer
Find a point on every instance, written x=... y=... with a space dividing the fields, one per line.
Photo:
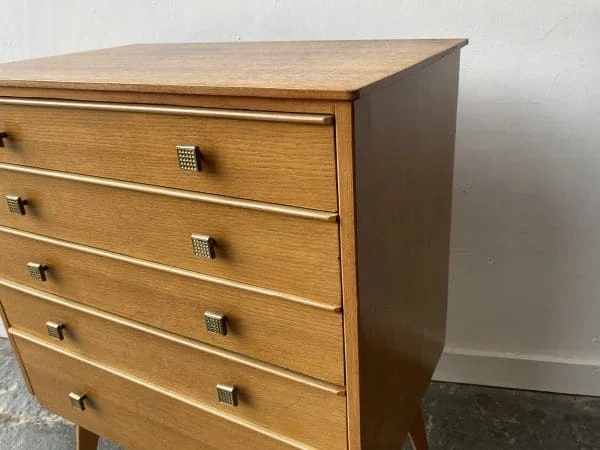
x=278 y=331
x=278 y=251
x=304 y=409
x=130 y=412
x=277 y=162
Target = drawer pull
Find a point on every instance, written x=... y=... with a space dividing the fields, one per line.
x=78 y=401
x=55 y=330
x=16 y=204
x=204 y=246
x=3 y=135
x=227 y=394
x=215 y=323
x=37 y=271
x=189 y=157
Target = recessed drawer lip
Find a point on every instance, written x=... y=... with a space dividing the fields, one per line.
x=238 y=114
x=178 y=193
x=199 y=346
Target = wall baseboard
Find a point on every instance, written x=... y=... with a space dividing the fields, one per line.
x=518 y=371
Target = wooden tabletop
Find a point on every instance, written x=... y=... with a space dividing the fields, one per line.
x=332 y=70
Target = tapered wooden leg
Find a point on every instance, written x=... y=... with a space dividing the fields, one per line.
x=86 y=440
x=417 y=434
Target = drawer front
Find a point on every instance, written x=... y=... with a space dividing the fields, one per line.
x=127 y=412
x=178 y=303
x=285 y=163
x=290 y=254
x=313 y=414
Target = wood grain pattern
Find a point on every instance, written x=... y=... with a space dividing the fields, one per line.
x=276 y=331
x=404 y=149
x=297 y=410
x=85 y=439
x=241 y=158
x=4 y=321
x=336 y=70
x=132 y=413
x=289 y=254
x=152 y=98
x=346 y=193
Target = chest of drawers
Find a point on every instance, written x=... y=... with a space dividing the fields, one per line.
x=229 y=245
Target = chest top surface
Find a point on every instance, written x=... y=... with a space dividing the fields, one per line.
x=324 y=70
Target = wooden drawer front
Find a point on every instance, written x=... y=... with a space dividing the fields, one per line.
x=177 y=304
x=281 y=252
x=312 y=413
x=127 y=412
x=285 y=163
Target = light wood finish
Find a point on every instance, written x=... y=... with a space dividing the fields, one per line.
x=417 y=433
x=131 y=412
x=335 y=70
x=403 y=164
x=178 y=193
x=85 y=439
x=366 y=267
x=244 y=154
x=4 y=321
x=303 y=411
x=290 y=254
x=149 y=98
x=177 y=303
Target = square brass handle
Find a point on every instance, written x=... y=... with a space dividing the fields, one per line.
x=215 y=323
x=227 y=394
x=204 y=246
x=16 y=204
x=55 y=330
x=78 y=401
x=189 y=157
x=37 y=271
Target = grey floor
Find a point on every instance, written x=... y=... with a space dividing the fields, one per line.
x=457 y=417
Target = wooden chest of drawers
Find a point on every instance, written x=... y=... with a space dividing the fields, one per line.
x=230 y=245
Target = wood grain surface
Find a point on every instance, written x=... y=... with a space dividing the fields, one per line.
x=404 y=154
x=289 y=254
x=240 y=158
x=132 y=413
x=270 y=329
x=337 y=70
x=298 y=410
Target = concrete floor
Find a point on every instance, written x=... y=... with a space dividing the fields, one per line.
x=458 y=417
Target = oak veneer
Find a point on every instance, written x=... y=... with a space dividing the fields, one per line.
x=242 y=158
x=304 y=409
x=176 y=303
x=374 y=265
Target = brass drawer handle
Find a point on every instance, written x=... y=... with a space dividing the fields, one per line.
x=78 y=401
x=227 y=394
x=55 y=330
x=189 y=157
x=3 y=135
x=215 y=323
x=16 y=204
x=37 y=271
x=204 y=246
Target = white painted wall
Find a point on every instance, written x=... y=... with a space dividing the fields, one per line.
x=525 y=278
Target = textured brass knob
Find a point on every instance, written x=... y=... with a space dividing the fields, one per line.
x=37 y=271
x=55 y=330
x=204 y=246
x=78 y=401
x=227 y=394
x=3 y=135
x=16 y=204
x=215 y=323
x=189 y=157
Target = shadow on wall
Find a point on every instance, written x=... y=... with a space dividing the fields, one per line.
x=525 y=245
